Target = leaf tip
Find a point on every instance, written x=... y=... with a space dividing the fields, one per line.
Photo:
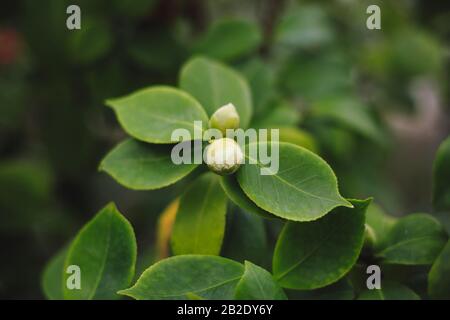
x=126 y=292
x=346 y=203
x=109 y=103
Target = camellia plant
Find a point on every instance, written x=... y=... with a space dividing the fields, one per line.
x=324 y=242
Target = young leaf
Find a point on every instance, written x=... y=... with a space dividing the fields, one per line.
x=229 y=39
x=438 y=278
x=232 y=189
x=310 y=255
x=258 y=284
x=164 y=230
x=52 y=277
x=152 y=114
x=183 y=277
x=389 y=291
x=303 y=189
x=215 y=85
x=200 y=222
x=414 y=240
x=105 y=252
x=441 y=177
x=141 y=166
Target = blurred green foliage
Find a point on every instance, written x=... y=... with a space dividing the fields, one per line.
x=313 y=68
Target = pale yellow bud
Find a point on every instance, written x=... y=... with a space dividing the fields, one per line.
x=226 y=117
x=224 y=156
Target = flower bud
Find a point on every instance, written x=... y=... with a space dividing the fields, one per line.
x=226 y=117
x=224 y=156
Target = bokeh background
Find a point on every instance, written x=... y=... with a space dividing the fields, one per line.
x=373 y=103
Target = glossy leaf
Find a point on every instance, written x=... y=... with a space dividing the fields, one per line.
x=310 y=255
x=52 y=278
x=438 y=278
x=258 y=284
x=441 y=177
x=229 y=39
x=215 y=85
x=182 y=277
x=140 y=166
x=389 y=291
x=200 y=222
x=152 y=114
x=105 y=251
x=303 y=189
x=414 y=240
x=233 y=190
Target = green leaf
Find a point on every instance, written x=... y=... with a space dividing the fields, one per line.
x=310 y=255
x=302 y=75
x=229 y=39
x=141 y=166
x=200 y=222
x=303 y=189
x=441 y=177
x=261 y=79
x=340 y=290
x=414 y=240
x=181 y=277
x=280 y=114
x=214 y=85
x=152 y=114
x=258 y=284
x=298 y=137
x=389 y=291
x=350 y=112
x=438 y=277
x=233 y=190
x=304 y=27
x=91 y=42
x=156 y=50
x=26 y=188
x=52 y=277
x=105 y=251
x=245 y=238
x=380 y=223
